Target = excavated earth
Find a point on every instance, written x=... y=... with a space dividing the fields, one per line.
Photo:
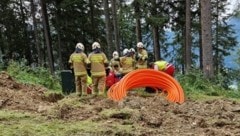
x=148 y=116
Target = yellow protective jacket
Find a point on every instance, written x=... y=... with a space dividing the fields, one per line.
x=79 y=62
x=127 y=64
x=161 y=65
x=98 y=61
x=114 y=62
x=142 y=59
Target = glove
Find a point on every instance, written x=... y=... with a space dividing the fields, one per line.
x=140 y=55
x=71 y=66
x=144 y=58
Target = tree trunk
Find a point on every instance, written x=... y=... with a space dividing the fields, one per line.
x=216 y=57
x=188 y=39
x=59 y=44
x=200 y=41
x=115 y=25
x=138 y=30
x=92 y=16
x=206 y=27
x=155 y=28
x=108 y=28
x=35 y=36
x=138 y=21
x=156 y=46
x=183 y=50
x=47 y=36
x=26 y=51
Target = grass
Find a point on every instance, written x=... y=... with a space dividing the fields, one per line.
x=25 y=124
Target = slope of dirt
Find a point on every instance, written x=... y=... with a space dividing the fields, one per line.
x=147 y=115
x=18 y=96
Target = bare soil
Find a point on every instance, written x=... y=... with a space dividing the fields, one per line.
x=148 y=115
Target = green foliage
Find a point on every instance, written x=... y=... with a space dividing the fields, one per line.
x=127 y=27
x=36 y=75
x=194 y=83
x=13 y=29
x=156 y=21
x=2 y=67
x=238 y=58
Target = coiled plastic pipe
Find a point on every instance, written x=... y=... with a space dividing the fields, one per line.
x=147 y=77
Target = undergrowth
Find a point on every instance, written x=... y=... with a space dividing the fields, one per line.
x=33 y=75
x=195 y=84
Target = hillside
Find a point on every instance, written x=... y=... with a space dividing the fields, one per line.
x=32 y=110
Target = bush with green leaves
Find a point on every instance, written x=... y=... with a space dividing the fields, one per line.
x=195 y=83
x=33 y=75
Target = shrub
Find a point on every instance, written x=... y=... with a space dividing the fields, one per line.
x=33 y=75
x=195 y=83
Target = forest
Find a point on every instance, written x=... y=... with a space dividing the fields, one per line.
x=45 y=32
x=200 y=37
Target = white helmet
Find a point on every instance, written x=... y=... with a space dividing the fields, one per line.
x=80 y=46
x=140 y=45
x=95 y=45
x=125 y=51
x=115 y=54
x=132 y=50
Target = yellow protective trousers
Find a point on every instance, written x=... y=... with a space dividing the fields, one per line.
x=99 y=84
x=81 y=84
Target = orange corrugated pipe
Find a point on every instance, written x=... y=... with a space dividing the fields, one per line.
x=147 y=77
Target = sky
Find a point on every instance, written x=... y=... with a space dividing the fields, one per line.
x=232 y=5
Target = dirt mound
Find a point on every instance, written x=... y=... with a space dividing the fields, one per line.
x=152 y=115
x=18 y=96
x=155 y=115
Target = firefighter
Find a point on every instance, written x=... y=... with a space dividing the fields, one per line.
x=115 y=65
x=127 y=62
x=162 y=65
x=98 y=64
x=133 y=55
x=78 y=61
x=141 y=56
x=132 y=52
x=114 y=73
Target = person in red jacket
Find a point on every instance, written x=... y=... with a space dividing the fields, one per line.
x=114 y=71
x=162 y=65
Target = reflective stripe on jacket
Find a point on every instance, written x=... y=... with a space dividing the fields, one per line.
x=127 y=64
x=79 y=61
x=97 y=61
